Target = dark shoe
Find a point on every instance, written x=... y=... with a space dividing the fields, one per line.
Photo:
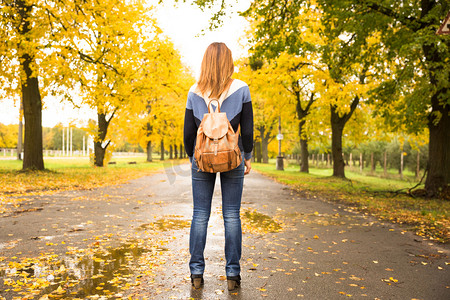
x=233 y=282
x=197 y=280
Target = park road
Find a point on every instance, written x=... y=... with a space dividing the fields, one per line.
x=293 y=247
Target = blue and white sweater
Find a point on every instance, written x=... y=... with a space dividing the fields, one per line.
x=236 y=103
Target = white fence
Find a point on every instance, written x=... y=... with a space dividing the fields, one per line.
x=8 y=153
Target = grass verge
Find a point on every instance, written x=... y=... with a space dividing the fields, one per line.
x=371 y=195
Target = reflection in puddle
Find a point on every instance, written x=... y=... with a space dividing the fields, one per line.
x=98 y=272
x=254 y=221
x=102 y=272
x=165 y=224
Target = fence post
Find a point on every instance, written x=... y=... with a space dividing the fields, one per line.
x=62 y=151
x=401 y=164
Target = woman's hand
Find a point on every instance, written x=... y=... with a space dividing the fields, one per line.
x=248 y=166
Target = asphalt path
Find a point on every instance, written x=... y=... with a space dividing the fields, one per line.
x=292 y=247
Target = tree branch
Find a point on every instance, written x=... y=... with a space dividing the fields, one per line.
x=410 y=22
x=310 y=102
x=112 y=115
x=171 y=88
x=353 y=106
x=300 y=65
x=107 y=144
x=89 y=59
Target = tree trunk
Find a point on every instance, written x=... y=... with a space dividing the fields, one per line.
x=418 y=165
x=99 y=154
x=31 y=98
x=170 y=152
x=385 y=164
x=99 y=150
x=438 y=177
x=162 y=150
x=337 y=127
x=149 y=143
x=258 y=151
x=264 y=145
x=181 y=151
x=302 y=113
x=372 y=163
x=149 y=151
x=32 y=109
x=175 y=150
x=20 y=135
x=304 y=163
x=361 y=162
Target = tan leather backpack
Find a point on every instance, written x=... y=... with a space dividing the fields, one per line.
x=216 y=148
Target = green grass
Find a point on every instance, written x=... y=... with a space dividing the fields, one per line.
x=369 y=194
x=73 y=173
x=52 y=163
x=373 y=181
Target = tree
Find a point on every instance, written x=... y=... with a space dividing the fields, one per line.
x=344 y=60
x=416 y=92
x=23 y=33
x=297 y=77
x=69 y=45
x=270 y=100
x=255 y=74
x=407 y=37
x=157 y=111
x=105 y=44
x=8 y=136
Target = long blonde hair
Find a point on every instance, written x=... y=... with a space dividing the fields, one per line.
x=217 y=68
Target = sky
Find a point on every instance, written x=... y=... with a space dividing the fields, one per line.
x=183 y=24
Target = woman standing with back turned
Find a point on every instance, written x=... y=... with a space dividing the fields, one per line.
x=234 y=98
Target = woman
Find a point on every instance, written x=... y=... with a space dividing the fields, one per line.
x=234 y=97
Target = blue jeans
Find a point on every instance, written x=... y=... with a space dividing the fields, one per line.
x=202 y=189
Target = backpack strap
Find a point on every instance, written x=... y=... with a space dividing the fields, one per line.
x=218 y=105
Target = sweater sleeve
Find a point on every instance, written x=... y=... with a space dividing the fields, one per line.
x=190 y=130
x=247 y=125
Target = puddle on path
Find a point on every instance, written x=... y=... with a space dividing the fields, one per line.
x=166 y=223
x=100 y=271
x=96 y=272
x=104 y=272
x=254 y=221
